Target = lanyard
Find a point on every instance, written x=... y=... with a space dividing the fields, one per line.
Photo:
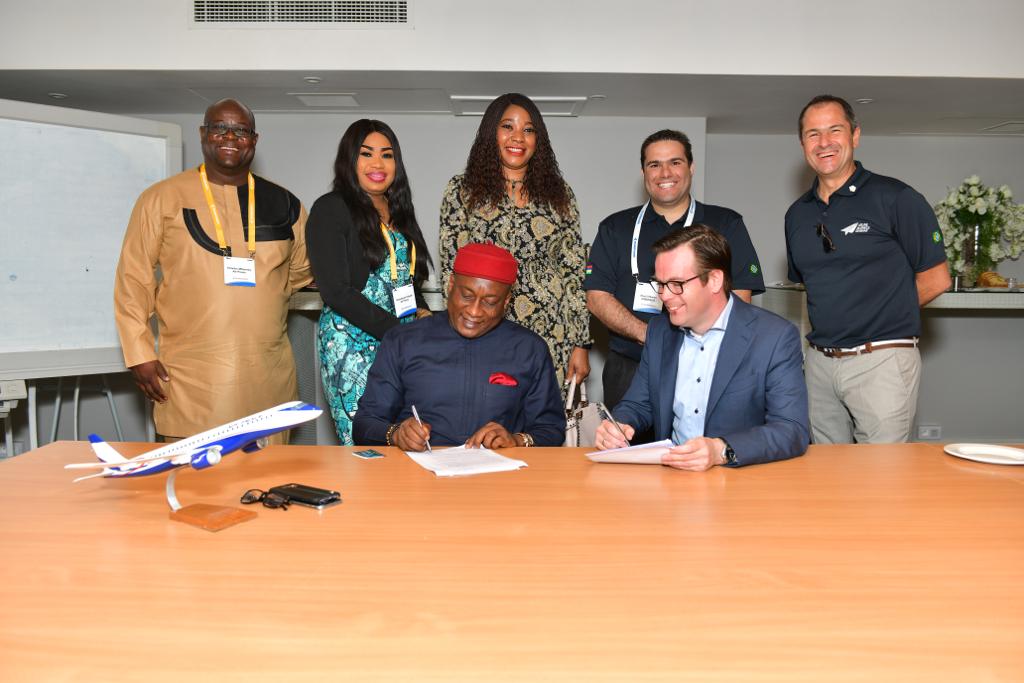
x=221 y=242
x=636 y=231
x=394 y=257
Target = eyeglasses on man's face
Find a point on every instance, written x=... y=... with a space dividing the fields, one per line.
x=220 y=130
x=674 y=286
x=826 y=239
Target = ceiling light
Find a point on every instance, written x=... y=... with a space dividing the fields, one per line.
x=326 y=99
x=312 y=80
x=57 y=95
x=549 y=105
x=865 y=100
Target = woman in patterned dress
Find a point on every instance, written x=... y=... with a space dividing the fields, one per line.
x=369 y=259
x=512 y=194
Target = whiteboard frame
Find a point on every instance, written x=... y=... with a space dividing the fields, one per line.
x=83 y=361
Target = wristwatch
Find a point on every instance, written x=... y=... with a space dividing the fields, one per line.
x=729 y=454
x=527 y=439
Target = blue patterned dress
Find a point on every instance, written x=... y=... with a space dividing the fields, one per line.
x=347 y=352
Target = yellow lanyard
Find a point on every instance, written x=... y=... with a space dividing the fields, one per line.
x=221 y=242
x=394 y=257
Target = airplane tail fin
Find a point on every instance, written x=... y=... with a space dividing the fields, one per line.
x=104 y=451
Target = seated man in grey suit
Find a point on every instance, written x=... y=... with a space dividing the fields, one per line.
x=720 y=377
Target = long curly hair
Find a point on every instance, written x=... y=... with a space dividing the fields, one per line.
x=399 y=195
x=484 y=183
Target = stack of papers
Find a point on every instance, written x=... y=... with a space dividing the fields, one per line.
x=641 y=454
x=461 y=461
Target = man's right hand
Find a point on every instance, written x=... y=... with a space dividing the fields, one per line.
x=411 y=435
x=609 y=437
x=148 y=377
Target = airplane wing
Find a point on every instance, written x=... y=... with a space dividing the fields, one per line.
x=129 y=465
x=204 y=456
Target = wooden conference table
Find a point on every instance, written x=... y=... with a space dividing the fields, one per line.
x=880 y=563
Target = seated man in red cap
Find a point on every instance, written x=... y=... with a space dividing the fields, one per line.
x=474 y=377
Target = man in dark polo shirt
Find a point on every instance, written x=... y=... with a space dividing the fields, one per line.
x=621 y=257
x=869 y=251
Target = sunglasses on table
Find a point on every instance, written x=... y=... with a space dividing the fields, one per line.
x=270 y=500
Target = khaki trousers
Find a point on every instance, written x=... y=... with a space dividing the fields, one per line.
x=870 y=398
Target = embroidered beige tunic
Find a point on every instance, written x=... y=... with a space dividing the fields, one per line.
x=225 y=348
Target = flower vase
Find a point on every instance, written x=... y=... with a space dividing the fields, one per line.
x=976 y=249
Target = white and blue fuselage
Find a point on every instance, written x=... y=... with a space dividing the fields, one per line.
x=204 y=449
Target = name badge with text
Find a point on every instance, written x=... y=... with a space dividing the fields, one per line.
x=405 y=300
x=239 y=272
x=646 y=299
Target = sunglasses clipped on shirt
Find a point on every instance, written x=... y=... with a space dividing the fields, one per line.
x=826 y=238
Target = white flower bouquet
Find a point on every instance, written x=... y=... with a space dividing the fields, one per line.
x=981 y=226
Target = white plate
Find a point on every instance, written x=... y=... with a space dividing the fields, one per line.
x=984 y=452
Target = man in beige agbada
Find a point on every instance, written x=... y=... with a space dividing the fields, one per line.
x=221 y=300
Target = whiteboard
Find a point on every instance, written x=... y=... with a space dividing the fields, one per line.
x=68 y=182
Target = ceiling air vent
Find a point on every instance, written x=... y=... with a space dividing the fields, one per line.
x=301 y=13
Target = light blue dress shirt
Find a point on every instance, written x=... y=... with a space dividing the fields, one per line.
x=698 y=356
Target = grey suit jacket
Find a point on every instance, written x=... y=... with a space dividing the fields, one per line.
x=758 y=399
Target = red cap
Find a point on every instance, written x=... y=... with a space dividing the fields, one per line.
x=486 y=261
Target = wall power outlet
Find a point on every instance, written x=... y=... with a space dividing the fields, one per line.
x=929 y=432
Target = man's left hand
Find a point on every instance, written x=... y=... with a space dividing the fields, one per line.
x=697 y=454
x=492 y=435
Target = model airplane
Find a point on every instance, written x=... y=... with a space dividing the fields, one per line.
x=202 y=450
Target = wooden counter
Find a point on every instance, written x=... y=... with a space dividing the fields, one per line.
x=867 y=563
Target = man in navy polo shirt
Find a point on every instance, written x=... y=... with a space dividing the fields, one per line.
x=622 y=263
x=869 y=251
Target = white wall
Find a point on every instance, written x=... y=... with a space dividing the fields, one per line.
x=941 y=38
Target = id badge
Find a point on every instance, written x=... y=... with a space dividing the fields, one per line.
x=646 y=299
x=405 y=300
x=239 y=272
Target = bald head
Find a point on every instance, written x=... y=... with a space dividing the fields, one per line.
x=214 y=109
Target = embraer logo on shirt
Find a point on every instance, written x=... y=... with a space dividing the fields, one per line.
x=856 y=227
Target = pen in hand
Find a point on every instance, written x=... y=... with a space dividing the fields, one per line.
x=603 y=412
x=420 y=422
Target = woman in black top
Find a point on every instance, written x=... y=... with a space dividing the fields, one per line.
x=369 y=260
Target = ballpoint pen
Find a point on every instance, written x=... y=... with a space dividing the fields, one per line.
x=420 y=422
x=608 y=416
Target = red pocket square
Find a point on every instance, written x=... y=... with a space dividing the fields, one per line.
x=503 y=379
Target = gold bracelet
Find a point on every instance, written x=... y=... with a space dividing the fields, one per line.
x=390 y=433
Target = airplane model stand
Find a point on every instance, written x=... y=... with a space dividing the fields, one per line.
x=209 y=517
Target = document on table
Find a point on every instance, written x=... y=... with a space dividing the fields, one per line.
x=461 y=461
x=641 y=454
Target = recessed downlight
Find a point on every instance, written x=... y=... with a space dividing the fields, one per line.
x=57 y=95
x=312 y=80
x=865 y=100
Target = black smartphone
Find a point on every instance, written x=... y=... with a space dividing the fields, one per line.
x=310 y=496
